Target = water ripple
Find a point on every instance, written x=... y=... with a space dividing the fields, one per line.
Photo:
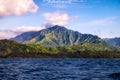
x=58 y=69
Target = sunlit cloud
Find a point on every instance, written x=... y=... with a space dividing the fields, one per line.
x=7 y=34
x=59 y=1
x=17 y=7
x=62 y=3
x=25 y=29
x=57 y=18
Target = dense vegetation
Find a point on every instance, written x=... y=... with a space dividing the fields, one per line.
x=84 y=50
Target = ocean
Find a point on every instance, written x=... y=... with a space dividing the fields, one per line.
x=58 y=69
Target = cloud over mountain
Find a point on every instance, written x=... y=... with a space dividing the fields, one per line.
x=57 y=18
x=6 y=34
x=28 y=28
x=17 y=7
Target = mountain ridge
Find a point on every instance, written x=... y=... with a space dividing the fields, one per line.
x=113 y=41
x=57 y=36
x=20 y=39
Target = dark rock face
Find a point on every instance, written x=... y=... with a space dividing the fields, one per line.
x=115 y=75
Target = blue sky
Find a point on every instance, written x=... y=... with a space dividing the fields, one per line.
x=98 y=17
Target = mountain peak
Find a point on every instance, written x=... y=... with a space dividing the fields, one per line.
x=56 y=27
x=58 y=36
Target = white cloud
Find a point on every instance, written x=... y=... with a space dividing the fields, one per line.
x=100 y=22
x=57 y=18
x=59 y=1
x=108 y=34
x=103 y=22
x=74 y=17
x=104 y=27
x=6 y=34
x=25 y=29
x=46 y=25
x=17 y=7
x=64 y=3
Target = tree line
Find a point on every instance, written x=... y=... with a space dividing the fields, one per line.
x=84 y=50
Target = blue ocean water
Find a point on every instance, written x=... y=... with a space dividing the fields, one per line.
x=58 y=69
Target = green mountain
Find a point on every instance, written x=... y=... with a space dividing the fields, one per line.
x=57 y=42
x=56 y=36
x=113 y=41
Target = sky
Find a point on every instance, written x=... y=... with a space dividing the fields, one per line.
x=97 y=17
